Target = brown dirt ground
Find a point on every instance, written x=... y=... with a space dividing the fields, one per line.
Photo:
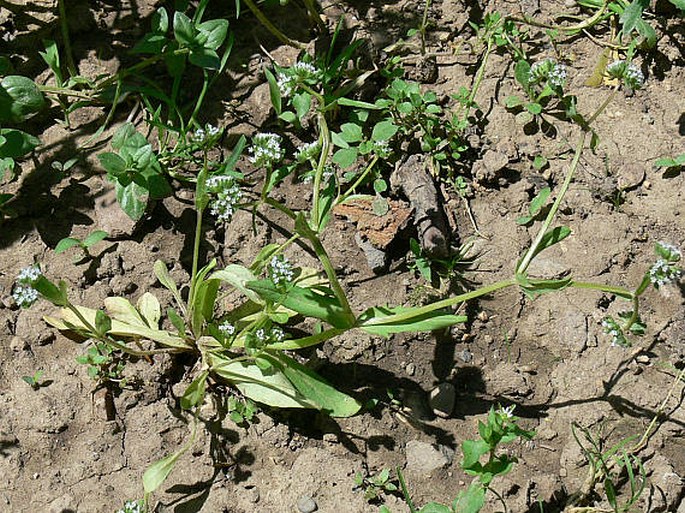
x=60 y=453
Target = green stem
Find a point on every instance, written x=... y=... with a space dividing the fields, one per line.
x=64 y=27
x=610 y=289
x=279 y=206
x=325 y=137
x=201 y=98
x=416 y=312
x=405 y=491
x=357 y=182
x=270 y=26
x=309 y=341
x=586 y=128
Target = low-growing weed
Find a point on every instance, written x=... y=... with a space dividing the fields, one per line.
x=36 y=381
x=377 y=485
x=483 y=459
x=84 y=245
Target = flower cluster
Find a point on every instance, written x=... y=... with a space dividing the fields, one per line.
x=227 y=329
x=382 y=149
x=24 y=294
x=228 y=195
x=266 y=150
x=613 y=328
x=289 y=78
x=205 y=135
x=550 y=71
x=281 y=270
x=308 y=151
x=132 y=507
x=264 y=337
x=666 y=269
x=632 y=76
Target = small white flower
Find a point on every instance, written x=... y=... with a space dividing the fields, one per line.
x=286 y=84
x=266 y=150
x=549 y=70
x=24 y=295
x=304 y=70
x=204 y=135
x=281 y=270
x=227 y=196
x=662 y=273
x=307 y=151
x=227 y=329
x=260 y=334
x=29 y=274
x=507 y=411
x=382 y=148
x=631 y=75
x=277 y=334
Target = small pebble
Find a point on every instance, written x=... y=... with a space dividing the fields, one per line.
x=306 y=504
x=442 y=399
x=410 y=369
x=642 y=358
x=18 y=344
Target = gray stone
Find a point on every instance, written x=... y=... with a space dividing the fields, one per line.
x=18 y=344
x=542 y=267
x=109 y=216
x=573 y=330
x=306 y=504
x=424 y=458
x=441 y=399
x=375 y=258
x=495 y=161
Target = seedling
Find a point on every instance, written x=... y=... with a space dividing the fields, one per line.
x=671 y=165
x=35 y=381
x=103 y=365
x=241 y=411
x=501 y=428
x=375 y=486
x=536 y=206
x=91 y=240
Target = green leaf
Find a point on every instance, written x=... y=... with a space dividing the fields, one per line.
x=66 y=244
x=274 y=91
x=473 y=451
x=103 y=323
x=195 y=393
x=150 y=310
x=316 y=389
x=20 y=98
x=522 y=74
x=302 y=102
x=162 y=274
x=632 y=15
x=160 y=21
x=434 y=507
x=345 y=157
x=680 y=4
x=112 y=163
x=351 y=132
x=304 y=301
x=384 y=131
x=176 y=321
x=539 y=201
x=132 y=199
x=157 y=473
x=238 y=277
x=534 y=108
x=215 y=32
x=94 y=238
x=551 y=238
x=666 y=162
x=204 y=58
x=15 y=143
x=184 y=31
x=470 y=501
x=271 y=388
x=346 y=102
x=373 y=320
